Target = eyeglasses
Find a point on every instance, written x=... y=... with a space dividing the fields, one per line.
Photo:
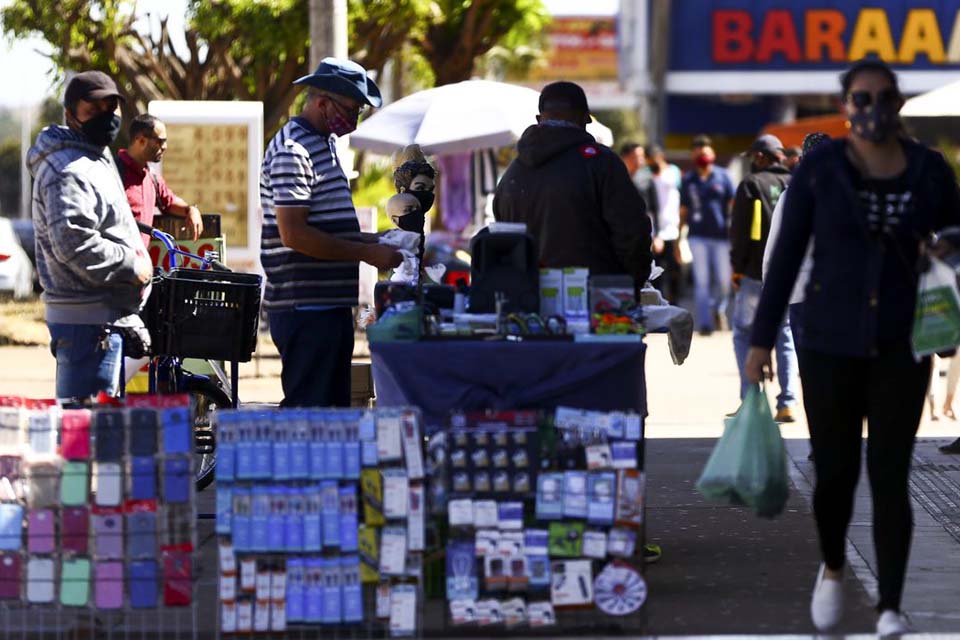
x=863 y=99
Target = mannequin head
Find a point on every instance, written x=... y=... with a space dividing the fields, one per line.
x=405 y=211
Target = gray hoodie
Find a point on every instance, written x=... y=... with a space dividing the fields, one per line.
x=87 y=239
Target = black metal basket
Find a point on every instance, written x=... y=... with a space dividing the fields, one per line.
x=205 y=314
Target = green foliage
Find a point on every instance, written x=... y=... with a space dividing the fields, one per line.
x=10 y=177
x=373 y=188
x=625 y=125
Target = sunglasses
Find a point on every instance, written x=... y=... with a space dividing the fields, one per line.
x=354 y=108
x=863 y=99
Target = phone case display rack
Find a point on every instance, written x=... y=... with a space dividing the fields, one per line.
x=97 y=519
x=339 y=522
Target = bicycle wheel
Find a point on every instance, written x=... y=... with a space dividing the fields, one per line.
x=209 y=398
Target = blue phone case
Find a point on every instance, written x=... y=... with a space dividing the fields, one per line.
x=143 y=590
x=176 y=430
x=176 y=479
x=142 y=535
x=11 y=527
x=143 y=478
x=143 y=432
x=109 y=434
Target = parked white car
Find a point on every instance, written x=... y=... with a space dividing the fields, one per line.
x=16 y=272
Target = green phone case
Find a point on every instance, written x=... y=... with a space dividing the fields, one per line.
x=74 y=484
x=75 y=583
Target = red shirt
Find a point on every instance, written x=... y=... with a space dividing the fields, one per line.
x=144 y=196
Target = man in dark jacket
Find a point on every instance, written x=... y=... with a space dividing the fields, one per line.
x=753 y=207
x=574 y=194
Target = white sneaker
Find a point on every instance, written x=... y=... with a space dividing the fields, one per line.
x=826 y=606
x=891 y=623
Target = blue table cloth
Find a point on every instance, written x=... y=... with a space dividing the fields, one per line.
x=442 y=376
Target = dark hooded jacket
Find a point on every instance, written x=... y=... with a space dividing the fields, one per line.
x=746 y=245
x=578 y=203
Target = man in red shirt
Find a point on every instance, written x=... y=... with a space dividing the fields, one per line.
x=145 y=191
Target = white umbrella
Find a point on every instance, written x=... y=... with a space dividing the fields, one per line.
x=941 y=102
x=455 y=118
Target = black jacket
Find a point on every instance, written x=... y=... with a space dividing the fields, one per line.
x=863 y=287
x=746 y=251
x=578 y=203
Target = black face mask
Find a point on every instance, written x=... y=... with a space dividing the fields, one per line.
x=877 y=124
x=425 y=198
x=102 y=130
x=412 y=222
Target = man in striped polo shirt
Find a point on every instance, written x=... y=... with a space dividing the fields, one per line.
x=311 y=244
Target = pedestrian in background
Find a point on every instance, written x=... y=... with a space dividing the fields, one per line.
x=706 y=195
x=868 y=202
x=92 y=264
x=792 y=157
x=635 y=160
x=757 y=195
x=665 y=178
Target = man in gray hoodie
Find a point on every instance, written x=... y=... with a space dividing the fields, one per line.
x=91 y=261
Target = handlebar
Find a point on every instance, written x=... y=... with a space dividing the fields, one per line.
x=173 y=250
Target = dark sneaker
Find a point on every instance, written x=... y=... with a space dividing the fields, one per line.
x=705 y=332
x=953 y=447
x=785 y=415
x=652 y=553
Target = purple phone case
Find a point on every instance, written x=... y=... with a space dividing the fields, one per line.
x=10 y=576
x=108 y=536
x=40 y=531
x=108 y=585
x=75 y=529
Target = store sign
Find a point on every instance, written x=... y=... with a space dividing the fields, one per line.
x=580 y=48
x=763 y=46
x=213 y=160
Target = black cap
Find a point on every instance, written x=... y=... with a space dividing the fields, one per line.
x=768 y=144
x=90 y=86
x=701 y=141
x=563 y=96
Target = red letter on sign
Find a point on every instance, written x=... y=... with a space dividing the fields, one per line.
x=825 y=30
x=731 y=36
x=778 y=36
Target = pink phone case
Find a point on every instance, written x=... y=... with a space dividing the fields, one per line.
x=40 y=531
x=75 y=434
x=108 y=585
x=75 y=529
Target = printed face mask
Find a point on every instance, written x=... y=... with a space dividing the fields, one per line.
x=341 y=125
x=876 y=124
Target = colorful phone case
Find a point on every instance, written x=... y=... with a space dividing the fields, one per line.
x=41 y=536
x=40 y=580
x=143 y=432
x=109 y=433
x=143 y=478
x=142 y=535
x=108 y=536
x=75 y=583
x=108 y=585
x=75 y=434
x=74 y=484
x=9 y=576
x=11 y=527
x=177 y=584
x=143 y=584
x=109 y=478
x=176 y=479
x=75 y=529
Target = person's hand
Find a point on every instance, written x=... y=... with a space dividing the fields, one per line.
x=143 y=269
x=658 y=246
x=382 y=256
x=195 y=222
x=758 y=365
x=736 y=281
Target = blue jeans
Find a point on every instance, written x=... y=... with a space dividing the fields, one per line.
x=85 y=364
x=316 y=351
x=711 y=265
x=744 y=308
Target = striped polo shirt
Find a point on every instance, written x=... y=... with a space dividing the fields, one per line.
x=301 y=169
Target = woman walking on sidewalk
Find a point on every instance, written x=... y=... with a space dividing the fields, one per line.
x=868 y=202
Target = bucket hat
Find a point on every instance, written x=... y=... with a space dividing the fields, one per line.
x=345 y=78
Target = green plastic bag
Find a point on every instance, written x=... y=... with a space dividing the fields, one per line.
x=936 y=321
x=748 y=465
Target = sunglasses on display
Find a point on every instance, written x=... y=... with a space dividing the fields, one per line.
x=863 y=99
